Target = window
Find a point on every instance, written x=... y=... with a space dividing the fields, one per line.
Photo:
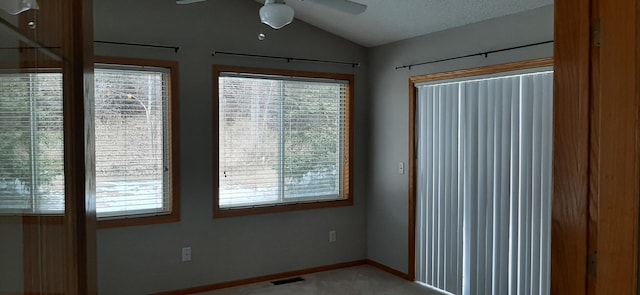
x=283 y=140
x=135 y=127
x=31 y=141
x=484 y=183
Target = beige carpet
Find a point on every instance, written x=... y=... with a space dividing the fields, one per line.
x=357 y=280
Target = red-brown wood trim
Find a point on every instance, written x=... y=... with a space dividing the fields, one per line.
x=67 y=250
x=174 y=143
x=138 y=220
x=594 y=150
x=277 y=208
x=488 y=70
x=571 y=147
x=80 y=205
x=222 y=213
x=59 y=251
x=390 y=270
x=616 y=110
x=272 y=277
x=413 y=92
x=43 y=241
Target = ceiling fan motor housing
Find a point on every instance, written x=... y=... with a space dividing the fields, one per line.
x=276 y=14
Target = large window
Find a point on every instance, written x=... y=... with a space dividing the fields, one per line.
x=135 y=122
x=135 y=126
x=483 y=173
x=283 y=140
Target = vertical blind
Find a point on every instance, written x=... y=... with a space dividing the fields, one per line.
x=131 y=122
x=31 y=143
x=484 y=184
x=281 y=139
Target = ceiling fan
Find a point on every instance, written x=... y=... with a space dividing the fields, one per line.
x=277 y=14
x=18 y=6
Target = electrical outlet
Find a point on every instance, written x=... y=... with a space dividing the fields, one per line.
x=186 y=254
x=332 y=236
x=401 y=168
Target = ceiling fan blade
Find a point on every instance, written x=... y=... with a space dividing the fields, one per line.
x=188 y=1
x=342 y=5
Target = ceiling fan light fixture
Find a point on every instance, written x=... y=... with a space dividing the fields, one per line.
x=276 y=15
x=18 y=6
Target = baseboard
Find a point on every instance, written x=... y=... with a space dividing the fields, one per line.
x=278 y=276
x=389 y=269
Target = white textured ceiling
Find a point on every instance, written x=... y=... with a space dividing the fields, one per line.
x=386 y=21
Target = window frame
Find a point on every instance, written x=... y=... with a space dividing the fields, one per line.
x=347 y=199
x=172 y=129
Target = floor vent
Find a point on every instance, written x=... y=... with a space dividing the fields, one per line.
x=288 y=281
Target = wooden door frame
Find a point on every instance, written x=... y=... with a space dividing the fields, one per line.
x=569 y=229
x=60 y=251
x=79 y=134
x=596 y=168
x=614 y=154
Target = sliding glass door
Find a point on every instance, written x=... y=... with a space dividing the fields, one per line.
x=484 y=183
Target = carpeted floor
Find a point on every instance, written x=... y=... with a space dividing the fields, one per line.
x=357 y=280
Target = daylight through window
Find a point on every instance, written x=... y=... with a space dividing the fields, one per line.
x=484 y=158
x=133 y=135
x=132 y=154
x=282 y=139
x=31 y=141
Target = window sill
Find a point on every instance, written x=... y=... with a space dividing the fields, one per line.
x=277 y=208
x=137 y=221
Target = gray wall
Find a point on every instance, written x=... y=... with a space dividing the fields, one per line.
x=144 y=259
x=8 y=40
x=387 y=201
x=11 y=268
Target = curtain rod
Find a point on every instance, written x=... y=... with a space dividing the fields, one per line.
x=485 y=54
x=29 y=47
x=288 y=59
x=175 y=48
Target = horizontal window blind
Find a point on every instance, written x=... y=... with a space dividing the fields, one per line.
x=281 y=140
x=484 y=185
x=31 y=143
x=131 y=122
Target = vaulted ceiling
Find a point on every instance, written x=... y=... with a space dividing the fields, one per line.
x=386 y=21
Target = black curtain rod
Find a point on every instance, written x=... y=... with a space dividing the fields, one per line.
x=175 y=48
x=288 y=59
x=29 y=47
x=485 y=54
